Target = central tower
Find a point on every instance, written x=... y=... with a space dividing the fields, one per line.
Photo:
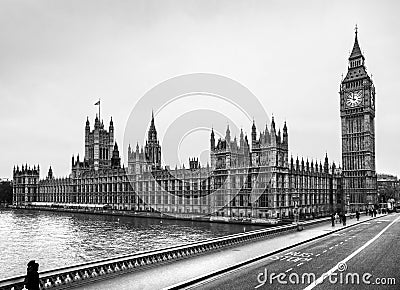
x=357 y=112
x=152 y=147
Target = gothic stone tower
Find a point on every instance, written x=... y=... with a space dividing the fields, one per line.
x=25 y=185
x=152 y=147
x=357 y=112
x=99 y=144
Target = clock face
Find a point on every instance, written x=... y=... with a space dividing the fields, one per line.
x=353 y=98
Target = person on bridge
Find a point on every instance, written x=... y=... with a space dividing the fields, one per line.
x=32 y=276
x=344 y=219
x=333 y=220
x=358 y=215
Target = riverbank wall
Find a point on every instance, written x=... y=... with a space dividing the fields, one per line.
x=162 y=216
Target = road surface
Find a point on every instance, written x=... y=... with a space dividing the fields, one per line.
x=365 y=256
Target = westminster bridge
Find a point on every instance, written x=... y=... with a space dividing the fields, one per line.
x=189 y=264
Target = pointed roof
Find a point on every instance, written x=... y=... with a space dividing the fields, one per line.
x=356 y=52
x=152 y=133
x=357 y=72
x=273 y=124
x=228 y=135
x=152 y=119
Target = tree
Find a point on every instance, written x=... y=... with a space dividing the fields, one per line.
x=5 y=192
x=388 y=190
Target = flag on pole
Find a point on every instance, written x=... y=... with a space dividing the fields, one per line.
x=97 y=103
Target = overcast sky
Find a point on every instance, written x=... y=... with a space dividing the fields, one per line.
x=58 y=57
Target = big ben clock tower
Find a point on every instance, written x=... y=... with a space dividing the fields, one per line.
x=357 y=112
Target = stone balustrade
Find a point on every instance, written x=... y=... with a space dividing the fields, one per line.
x=72 y=276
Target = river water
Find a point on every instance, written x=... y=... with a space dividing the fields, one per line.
x=56 y=239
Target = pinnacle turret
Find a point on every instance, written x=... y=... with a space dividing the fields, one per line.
x=272 y=125
x=212 y=139
x=228 y=135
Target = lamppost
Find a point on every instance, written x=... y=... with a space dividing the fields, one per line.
x=295 y=198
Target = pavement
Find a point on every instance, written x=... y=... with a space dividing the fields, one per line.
x=316 y=256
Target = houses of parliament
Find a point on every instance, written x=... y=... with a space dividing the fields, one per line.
x=245 y=178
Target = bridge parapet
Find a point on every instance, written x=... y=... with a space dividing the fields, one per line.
x=73 y=276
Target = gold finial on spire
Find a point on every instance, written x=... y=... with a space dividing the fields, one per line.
x=356 y=29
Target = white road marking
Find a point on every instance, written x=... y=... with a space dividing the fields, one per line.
x=317 y=255
x=299 y=264
x=336 y=245
x=325 y=251
x=330 y=248
x=290 y=269
x=331 y=271
x=366 y=223
x=341 y=242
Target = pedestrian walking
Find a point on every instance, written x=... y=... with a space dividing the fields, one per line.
x=32 y=276
x=358 y=215
x=344 y=219
x=374 y=212
x=333 y=219
x=336 y=217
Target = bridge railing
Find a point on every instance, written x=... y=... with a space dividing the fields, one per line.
x=72 y=276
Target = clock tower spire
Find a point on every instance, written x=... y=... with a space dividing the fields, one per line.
x=357 y=112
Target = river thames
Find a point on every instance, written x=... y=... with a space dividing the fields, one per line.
x=56 y=239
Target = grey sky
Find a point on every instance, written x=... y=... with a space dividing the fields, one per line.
x=58 y=57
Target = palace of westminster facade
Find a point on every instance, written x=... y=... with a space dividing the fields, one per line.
x=255 y=179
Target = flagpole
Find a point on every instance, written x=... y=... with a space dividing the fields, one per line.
x=98 y=103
